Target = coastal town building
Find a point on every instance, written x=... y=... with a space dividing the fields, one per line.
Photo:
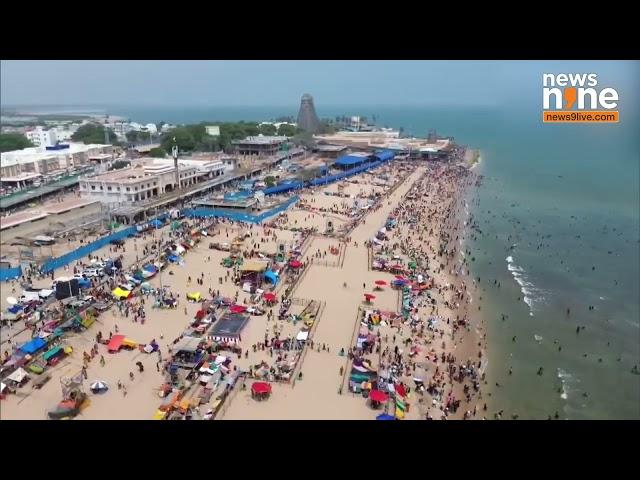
x=259 y=145
x=330 y=151
x=21 y=167
x=41 y=137
x=427 y=149
x=149 y=178
x=213 y=130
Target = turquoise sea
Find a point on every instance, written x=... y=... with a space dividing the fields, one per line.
x=558 y=213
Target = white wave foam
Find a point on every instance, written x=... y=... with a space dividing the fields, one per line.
x=531 y=294
x=568 y=381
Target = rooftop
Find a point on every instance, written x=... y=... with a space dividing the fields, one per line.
x=262 y=140
x=27 y=155
x=66 y=205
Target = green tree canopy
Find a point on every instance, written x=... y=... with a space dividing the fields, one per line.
x=304 y=139
x=268 y=129
x=118 y=164
x=13 y=141
x=270 y=181
x=286 y=130
x=93 y=133
x=157 y=153
x=132 y=136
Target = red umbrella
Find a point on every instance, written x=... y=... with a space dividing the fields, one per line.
x=261 y=387
x=269 y=296
x=237 y=308
x=378 y=396
x=295 y=264
x=380 y=282
x=369 y=296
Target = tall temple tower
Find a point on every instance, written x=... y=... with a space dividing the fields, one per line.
x=307 y=118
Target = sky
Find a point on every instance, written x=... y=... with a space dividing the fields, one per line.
x=269 y=82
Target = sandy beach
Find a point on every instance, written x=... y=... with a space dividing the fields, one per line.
x=336 y=272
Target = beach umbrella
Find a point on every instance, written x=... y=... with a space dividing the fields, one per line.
x=295 y=264
x=368 y=297
x=99 y=387
x=261 y=387
x=385 y=416
x=380 y=282
x=269 y=296
x=237 y=309
x=12 y=300
x=378 y=396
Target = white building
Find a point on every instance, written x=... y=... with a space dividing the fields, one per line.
x=147 y=178
x=30 y=163
x=150 y=127
x=213 y=130
x=41 y=137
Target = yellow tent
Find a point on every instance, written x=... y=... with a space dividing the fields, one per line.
x=129 y=343
x=121 y=293
x=195 y=296
x=160 y=415
x=253 y=266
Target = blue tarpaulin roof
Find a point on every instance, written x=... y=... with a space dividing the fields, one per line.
x=384 y=155
x=155 y=223
x=14 y=309
x=283 y=187
x=33 y=346
x=349 y=160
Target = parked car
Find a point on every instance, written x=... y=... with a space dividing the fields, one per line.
x=132 y=280
x=93 y=272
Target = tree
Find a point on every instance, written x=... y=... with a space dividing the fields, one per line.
x=132 y=136
x=184 y=140
x=157 y=153
x=286 y=130
x=325 y=128
x=93 y=133
x=304 y=139
x=160 y=125
x=268 y=129
x=270 y=181
x=13 y=141
x=118 y=164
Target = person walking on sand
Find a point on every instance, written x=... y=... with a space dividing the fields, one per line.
x=131 y=376
x=102 y=360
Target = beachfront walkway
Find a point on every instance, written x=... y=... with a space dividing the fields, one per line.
x=316 y=395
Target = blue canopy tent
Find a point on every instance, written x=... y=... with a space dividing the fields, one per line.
x=155 y=223
x=15 y=309
x=283 y=187
x=84 y=283
x=385 y=416
x=271 y=276
x=351 y=160
x=33 y=346
x=173 y=258
x=384 y=155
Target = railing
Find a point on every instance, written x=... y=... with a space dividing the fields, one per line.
x=347 y=370
x=228 y=398
x=305 y=349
